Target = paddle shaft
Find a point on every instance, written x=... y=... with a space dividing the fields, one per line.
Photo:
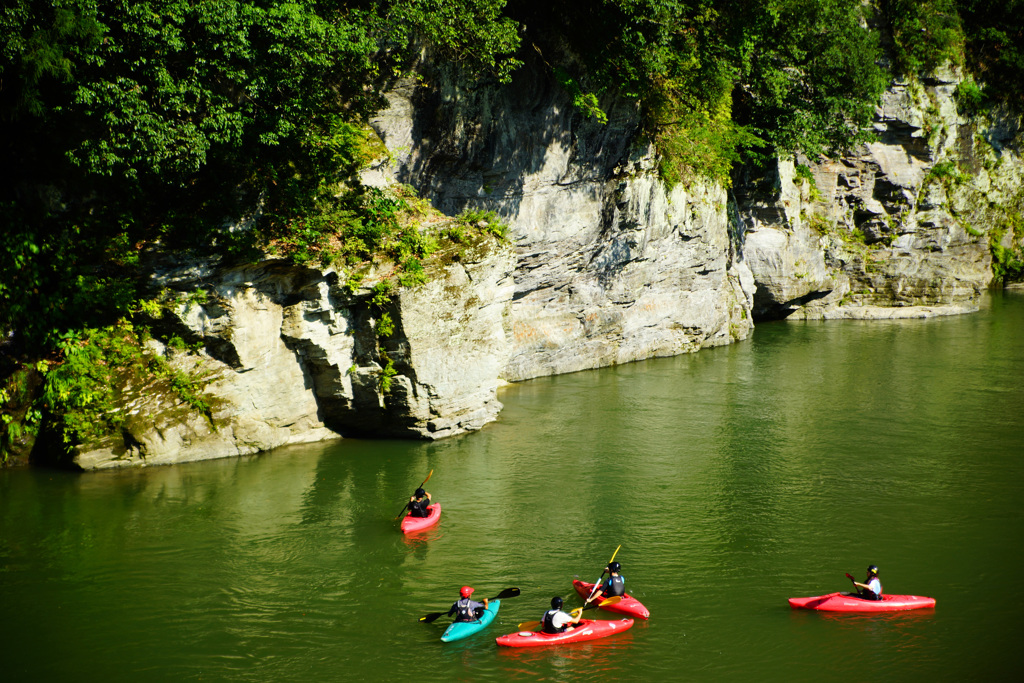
x=597 y=584
x=505 y=594
x=404 y=507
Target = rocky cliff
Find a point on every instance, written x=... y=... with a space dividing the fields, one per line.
x=902 y=227
x=611 y=266
x=606 y=265
x=293 y=355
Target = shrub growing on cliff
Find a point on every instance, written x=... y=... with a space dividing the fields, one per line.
x=82 y=392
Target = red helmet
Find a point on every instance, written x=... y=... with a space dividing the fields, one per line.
x=466 y=591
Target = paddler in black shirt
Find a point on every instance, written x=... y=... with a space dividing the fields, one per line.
x=614 y=585
x=419 y=503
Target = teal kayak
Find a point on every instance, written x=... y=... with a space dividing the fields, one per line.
x=463 y=629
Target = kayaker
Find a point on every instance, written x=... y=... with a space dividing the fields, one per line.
x=465 y=609
x=418 y=504
x=614 y=585
x=871 y=589
x=557 y=621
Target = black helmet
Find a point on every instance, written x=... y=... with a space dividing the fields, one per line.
x=872 y=569
x=420 y=493
x=614 y=566
x=556 y=602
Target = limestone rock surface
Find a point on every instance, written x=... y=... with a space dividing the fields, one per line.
x=611 y=266
x=905 y=221
x=291 y=356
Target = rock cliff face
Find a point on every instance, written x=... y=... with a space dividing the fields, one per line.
x=292 y=356
x=606 y=266
x=900 y=228
x=611 y=267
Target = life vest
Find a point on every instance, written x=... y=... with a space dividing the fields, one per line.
x=614 y=585
x=418 y=508
x=547 y=623
x=464 y=610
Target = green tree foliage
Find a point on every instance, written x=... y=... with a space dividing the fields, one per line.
x=125 y=123
x=995 y=46
x=714 y=78
x=926 y=33
x=809 y=77
x=129 y=122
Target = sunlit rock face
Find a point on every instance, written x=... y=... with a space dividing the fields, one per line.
x=612 y=266
x=605 y=265
x=290 y=355
x=904 y=222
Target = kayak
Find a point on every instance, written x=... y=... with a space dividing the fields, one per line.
x=844 y=602
x=628 y=606
x=587 y=629
x=463 y=629
x=412 y=524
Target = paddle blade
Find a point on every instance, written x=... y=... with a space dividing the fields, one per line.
x=610 y=601
x=529 y=626
x=433 y=616
x=507 y=593
x=851 y=578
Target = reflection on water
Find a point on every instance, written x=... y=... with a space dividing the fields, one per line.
x=733 y=479
x=589 y=661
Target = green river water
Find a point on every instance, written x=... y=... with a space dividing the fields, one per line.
x=733 y=479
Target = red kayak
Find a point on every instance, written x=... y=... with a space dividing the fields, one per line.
x=413 y=524
x=587 y=629
x=844 y=602
x=628 y=606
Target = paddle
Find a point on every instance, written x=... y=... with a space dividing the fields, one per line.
x=597 y=584
x=507 y=593
x=531 y=625
x=404 y=507
x=856 y=588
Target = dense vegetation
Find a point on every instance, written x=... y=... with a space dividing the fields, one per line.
x=127 y=124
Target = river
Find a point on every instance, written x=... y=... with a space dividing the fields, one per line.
x=732 y=479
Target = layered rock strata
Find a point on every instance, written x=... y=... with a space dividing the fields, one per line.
x=611 y=266
x=291 y=355
x=901 y=228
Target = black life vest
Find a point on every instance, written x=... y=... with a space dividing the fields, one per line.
x=418 y=508
x=547 y=625
x=614 y=585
